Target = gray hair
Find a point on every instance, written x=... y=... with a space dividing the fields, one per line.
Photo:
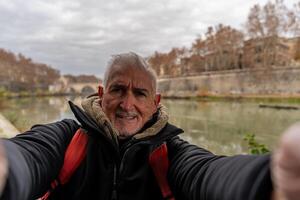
x=130 y=60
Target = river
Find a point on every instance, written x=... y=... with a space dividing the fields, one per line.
x=219 y=126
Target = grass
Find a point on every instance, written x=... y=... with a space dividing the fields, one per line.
x=8 y=94
x=258 y=99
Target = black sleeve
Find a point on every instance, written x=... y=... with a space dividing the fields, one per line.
x=35 y=158
x=196 y=173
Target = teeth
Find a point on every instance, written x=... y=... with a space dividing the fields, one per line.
x=130 y=118
x=127 y=117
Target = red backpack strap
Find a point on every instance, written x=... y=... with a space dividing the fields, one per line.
x=74 y=155
x=159 y=163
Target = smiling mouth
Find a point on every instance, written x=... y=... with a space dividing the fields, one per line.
x=126 y=117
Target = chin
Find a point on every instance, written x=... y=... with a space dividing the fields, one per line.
x=127 y=133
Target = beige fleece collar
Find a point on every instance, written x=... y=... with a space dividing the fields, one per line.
x=92 y=106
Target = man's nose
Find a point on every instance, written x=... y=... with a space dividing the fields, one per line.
x=127 y=102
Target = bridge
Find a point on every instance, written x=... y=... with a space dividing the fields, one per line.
x=64 y=85
x=82 y=88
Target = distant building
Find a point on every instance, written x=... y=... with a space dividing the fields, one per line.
x=294 y=48
x=271 y=51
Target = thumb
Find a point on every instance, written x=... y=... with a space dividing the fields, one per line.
x=286 y=164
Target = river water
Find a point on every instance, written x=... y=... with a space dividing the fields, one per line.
x=219 y=126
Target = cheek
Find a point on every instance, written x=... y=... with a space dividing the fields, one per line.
x=108 y=106
x=148 y=110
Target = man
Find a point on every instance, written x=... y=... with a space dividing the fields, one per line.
x=124 y=123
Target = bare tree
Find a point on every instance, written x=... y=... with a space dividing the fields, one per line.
x=222 y=48
x=265 y=26
x=196 y=61
x=229 y=42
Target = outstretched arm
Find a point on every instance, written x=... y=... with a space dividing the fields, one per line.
x=198 y=174
x=35 y=158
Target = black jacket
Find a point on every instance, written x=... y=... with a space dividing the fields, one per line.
x=113 y=170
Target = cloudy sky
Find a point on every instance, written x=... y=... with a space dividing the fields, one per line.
x=78 y=36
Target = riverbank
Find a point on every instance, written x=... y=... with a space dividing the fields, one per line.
x=7 y=130
x=246 y=98
x=37 y=94
x=277 y=82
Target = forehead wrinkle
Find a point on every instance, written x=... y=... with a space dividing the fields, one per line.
x=123 y=77
x=128 y=85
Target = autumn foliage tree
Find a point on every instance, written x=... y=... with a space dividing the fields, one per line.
x=224 y=45
x=167 y=63
x=19 y=73
x=219 y=50
x=157 y=61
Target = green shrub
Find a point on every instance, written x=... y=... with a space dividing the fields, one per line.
x=253 y=146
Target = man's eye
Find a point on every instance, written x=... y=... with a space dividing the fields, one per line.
x=116 y=90
x=140 y=93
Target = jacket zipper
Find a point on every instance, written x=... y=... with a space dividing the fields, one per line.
x=119 y=168
x=125 y=148
x=114 y=192
x=134 y=141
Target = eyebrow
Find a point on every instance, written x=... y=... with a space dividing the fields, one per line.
x=120 y=85
x=116 y=85
x=142 y=90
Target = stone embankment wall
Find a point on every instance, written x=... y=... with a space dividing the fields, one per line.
x=279 y=81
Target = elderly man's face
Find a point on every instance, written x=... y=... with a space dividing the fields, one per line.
x=129 y=99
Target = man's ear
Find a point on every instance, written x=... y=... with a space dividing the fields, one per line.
x=157 y=99
x=100 y=91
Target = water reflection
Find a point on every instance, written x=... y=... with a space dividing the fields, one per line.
x=217 y=126
x=25 y=112
x=221 y=126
